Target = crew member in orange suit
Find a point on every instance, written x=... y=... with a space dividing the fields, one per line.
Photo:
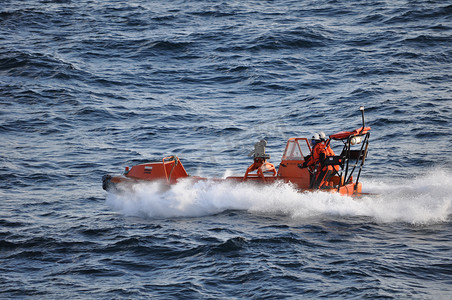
x=326 y=171
x=317 y=154
x=317 y=148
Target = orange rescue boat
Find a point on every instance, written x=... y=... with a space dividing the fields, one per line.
x=332 y=173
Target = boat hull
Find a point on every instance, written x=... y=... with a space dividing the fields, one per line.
x=118 y=183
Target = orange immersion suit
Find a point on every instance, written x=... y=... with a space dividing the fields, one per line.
x=325 y=172
x=318 y=149
x=317 y=152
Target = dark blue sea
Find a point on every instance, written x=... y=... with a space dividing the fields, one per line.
x=89 y=87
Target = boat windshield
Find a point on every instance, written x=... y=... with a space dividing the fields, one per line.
x=293 y=151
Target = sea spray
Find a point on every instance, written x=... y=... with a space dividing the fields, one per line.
x=420 y=200
x=423 y=199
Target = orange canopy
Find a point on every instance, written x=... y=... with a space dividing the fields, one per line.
x=345 y=134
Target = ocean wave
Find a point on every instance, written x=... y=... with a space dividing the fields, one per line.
x=35 y=65
x=88 y=87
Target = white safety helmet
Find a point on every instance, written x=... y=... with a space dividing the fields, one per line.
x=322 y=136
x=316 y=137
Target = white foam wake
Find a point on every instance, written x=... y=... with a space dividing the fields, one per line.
x=425 y=199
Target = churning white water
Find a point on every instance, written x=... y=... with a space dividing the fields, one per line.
x=424 y=199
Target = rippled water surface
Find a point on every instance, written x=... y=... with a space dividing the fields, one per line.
x=88 y=87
